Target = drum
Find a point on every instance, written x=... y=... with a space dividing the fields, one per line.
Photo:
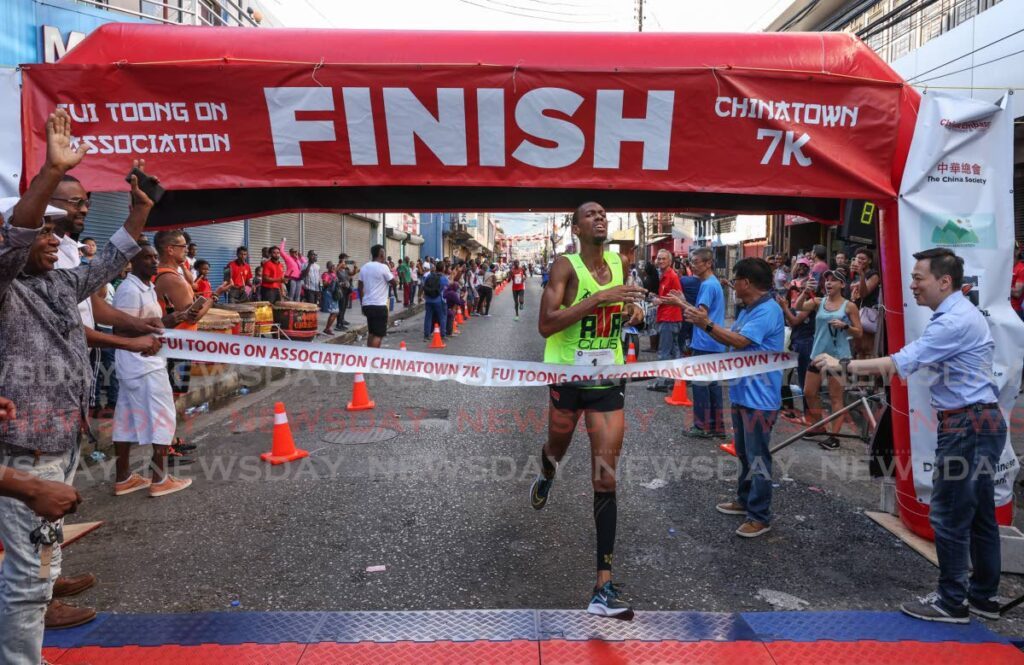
x=264 y=317
x=247 y=315
x=297 y=320
x=216 y=321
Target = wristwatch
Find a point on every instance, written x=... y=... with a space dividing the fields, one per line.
x=844 y=364
x=709 y=327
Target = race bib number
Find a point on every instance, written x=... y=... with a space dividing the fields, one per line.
x=595 y=358
x=517 y=279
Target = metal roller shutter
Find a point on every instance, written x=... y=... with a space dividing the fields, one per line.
x=322 y=233
x=393 y=248
x=218 y=244
x=412 y=251
x=268 y=231
x=106 y=215
x=357 y=239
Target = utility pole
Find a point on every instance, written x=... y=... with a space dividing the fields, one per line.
x=640 y=16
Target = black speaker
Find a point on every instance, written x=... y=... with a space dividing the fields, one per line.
x=860 y=218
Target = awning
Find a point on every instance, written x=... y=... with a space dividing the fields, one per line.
x=414 y=239
x=244 y=122
x=395 y=234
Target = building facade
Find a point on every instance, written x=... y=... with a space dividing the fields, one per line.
x=972 y=46
x=44 y=30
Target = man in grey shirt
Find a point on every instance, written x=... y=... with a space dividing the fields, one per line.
x=45 y=371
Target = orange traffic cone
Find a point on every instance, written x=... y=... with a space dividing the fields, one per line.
x=458 y=316
x=455 y=327
x=401 y=347
x=437 y=342
x=729 y=448
x=679 y=396
x=360 y=396
x=465 y=312
x=283 y=447
x=631 y=354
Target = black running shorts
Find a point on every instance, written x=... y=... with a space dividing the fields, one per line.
x=602 y=400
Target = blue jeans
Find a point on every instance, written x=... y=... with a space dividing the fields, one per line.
x=752 y=434
x=707 y=403
x=668 y=340
x=23 y=596
x=435 y=312
x=963 y=512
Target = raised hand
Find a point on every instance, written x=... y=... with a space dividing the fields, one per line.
x=59 y=153
x=140 y=201
x=7 y=409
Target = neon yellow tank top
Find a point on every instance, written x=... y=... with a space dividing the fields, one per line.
x=596 y=338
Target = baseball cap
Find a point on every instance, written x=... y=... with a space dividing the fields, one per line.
x=803 y=262
x=7 y=204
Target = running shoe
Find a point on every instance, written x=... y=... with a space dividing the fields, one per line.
x=831 y=443
x=539 y=491
x=606 y=603
x=932 y=608
x=986 y=609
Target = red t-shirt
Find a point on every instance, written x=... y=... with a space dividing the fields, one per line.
x=518 y=279
x=1018 y=277
x=240 y=274
x=203 y=287
x=669 y=313
x=273 y=274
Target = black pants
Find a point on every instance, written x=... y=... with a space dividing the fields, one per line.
x=346 y=298
x=483 y=305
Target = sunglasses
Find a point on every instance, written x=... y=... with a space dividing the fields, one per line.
x=76 y=202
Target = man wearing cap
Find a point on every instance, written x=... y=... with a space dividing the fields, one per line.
x=47 y=374
x=956 y=350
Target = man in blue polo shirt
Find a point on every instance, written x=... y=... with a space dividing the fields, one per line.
x=956 y=350
x=756 y=400
x=707 y=397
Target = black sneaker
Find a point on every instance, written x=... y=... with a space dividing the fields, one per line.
x=830 y=443
x=931 y=608
x=539 y=491
x=658 y=388
x=605 y=602
x=986 y=609
x=698 y=433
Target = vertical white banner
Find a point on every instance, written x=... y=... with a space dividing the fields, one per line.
x=957 y=192
x=10 y=131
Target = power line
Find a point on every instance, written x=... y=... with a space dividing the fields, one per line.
x=530 y=9
x=310 y=4
x=540 y=18
x=966 y=69
x=980 y=48
x=765 y=13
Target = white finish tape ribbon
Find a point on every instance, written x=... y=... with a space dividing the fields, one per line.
x=235 y=350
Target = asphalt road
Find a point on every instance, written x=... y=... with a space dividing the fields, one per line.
x=443 y=504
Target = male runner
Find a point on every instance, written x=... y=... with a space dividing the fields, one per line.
x=582 y=313
x=518 y=276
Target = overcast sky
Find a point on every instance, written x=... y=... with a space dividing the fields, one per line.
x=555 y=15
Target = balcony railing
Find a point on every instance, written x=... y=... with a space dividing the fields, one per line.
x=909 y=25
x=218 y=13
